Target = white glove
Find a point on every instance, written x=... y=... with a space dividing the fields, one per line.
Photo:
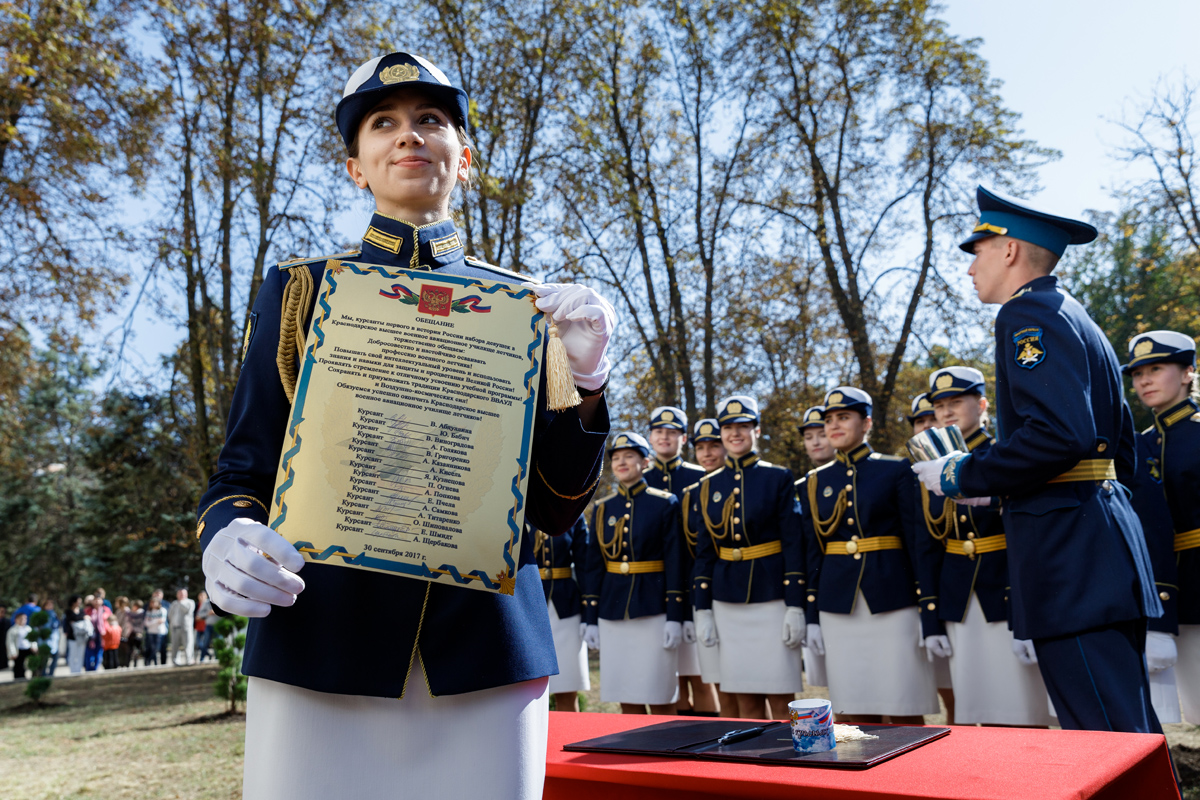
x=672 y=635
x=814 y=639
x=1160 y=651
x=706 y=627
x=937 y=646
x=585 y=322
x=248 y=568
x=793 y=627
x=1023 y=650
x=689 y=632
x=591 y=637
x=930 y=472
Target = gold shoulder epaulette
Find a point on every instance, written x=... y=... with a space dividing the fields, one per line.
x=716 y=471
x=884 y=457
x=507 y=273
x=658 y=492
x=286 y=265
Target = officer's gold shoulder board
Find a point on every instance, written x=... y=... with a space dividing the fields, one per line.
x=658 y=493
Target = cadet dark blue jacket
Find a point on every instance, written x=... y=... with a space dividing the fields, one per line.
x=467 y=640
x=974 y=568
x=635 y=560
x=555 y=555
x=859 y=496
x=1076 y=554
x=749 y=548
x=1175 y=439
x=1150 y=504
x=672 y=476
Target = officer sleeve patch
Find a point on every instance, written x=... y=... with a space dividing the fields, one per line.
x=1030 y=349
x=250 y=326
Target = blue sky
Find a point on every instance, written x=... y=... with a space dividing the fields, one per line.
x=1068 y=68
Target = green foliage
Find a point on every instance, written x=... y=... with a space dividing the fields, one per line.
x=37 y=661
x=228 y=644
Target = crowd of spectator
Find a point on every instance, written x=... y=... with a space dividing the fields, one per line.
x=92 y=633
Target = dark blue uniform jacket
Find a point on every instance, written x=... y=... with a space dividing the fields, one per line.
x=467 y=640
x=747 y=503
x=1175 y=442
x=636 y=525
x=860 y=495
x=562 y=552
x=1077 y=557
x=672 y=476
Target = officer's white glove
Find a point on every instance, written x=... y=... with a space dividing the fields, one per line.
x=1160 y=651
x=1023 y=650
x=248 y=568
x=937 y=646
x=689 y=632
x=672 y=635
x=586 y=322
x=706 y=627
x=930 y=472
x=591 y=637
x=814 y=639
x=793 y=627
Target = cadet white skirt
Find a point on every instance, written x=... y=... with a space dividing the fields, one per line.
x=634 y=665
x=942 y=678
x=814 y=668
x=753 y=658
x=571 y=652
x=305 y=745
x=874 y=662
x=710 y=662
x=990 y=684
x=1164 y=696
x=688 y=658
x=1187 y=671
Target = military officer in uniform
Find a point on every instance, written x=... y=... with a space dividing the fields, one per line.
x=748 y=583
x=669 y=472
x=1081 y=583
x=995 y=677
x=561 y=561
x=869 y=563
x=1162 y=365
x=820 y=452
x=706 y=441
x=635 y=592
x=921 y=416
x=453 y=653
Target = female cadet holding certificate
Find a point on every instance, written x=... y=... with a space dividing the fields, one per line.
x=455 y=694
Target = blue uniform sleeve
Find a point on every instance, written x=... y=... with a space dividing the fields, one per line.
x=593 y=569
x=1053 y=435
x=813 y=553
x=706 y=561
x=1150 y=504
x=675 y=558
x=924 y=552
x=791 y=534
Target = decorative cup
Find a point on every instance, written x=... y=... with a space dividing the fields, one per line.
x=812 y=726
x=933 y=443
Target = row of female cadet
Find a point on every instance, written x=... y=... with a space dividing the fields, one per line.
x=905 y=594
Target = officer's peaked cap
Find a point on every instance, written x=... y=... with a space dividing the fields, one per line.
x=952 y=381
x=706 y=430
x=922 y=406
x=1160 y=346
x=628 y=440
x=814 y=417
x=737 y=408
x=1006 y=216
x=668 y=417
x=848 y=398
x=383 y=74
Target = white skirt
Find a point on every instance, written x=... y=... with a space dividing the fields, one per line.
x=1187 y=671
x=874 y=662
x=688 y=658
x=305 y=745
x=634 y=665
x=942 y=678
x=572 y=654
x=991 y=685
x=753 y=657
x=814 y=669
x=1164 y=696
x=710 y=662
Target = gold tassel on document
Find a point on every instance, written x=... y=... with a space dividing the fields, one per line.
x=297 y=295
x=561 y=393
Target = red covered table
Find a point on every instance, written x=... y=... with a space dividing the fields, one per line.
x=971 y=762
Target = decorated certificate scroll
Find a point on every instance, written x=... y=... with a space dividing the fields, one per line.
x=407 y=451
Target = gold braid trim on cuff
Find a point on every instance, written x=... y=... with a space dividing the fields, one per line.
x=584 y=493
x=233 y=497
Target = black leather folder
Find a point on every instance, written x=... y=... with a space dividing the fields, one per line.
x=772 y=744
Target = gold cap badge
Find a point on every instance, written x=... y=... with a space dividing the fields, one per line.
x=945 y=381
x=734 y=408
x=706 y=428
x=924 y=403
x=621 y=441
x=1143 y=347
x=667 y=416
x=399 y=73
x=835 y=398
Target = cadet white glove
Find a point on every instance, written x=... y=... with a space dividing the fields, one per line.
x=1160 y=651
x=591 y=637
x=689 y=632
x=706 y=627
x=793 y=627
x=1023 y=650
x=585 y=322
x=814 y=639
x=248 y=568
x=937 y=646
x=672 y=635
x=930 y=472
